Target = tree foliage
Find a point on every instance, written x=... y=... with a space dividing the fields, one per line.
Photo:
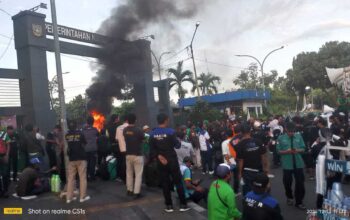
x=124 y=108
x=177 y=77
x=203 y=111
x=53 y=92
x=308 y=68
x=248 y=78
x=207 y=83
x=281 y=102
x=77 y=110
x=251 y=78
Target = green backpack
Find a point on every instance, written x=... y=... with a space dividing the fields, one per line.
x=112 y=167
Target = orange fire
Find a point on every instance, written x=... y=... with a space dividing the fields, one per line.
x=99 y=120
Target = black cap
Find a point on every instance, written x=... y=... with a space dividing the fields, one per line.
x=222 y=170
x=261 y=180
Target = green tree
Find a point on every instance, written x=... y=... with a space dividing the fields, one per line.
x=269 y=78
x=248 y=78
x=76 y=109
x=280 y=83
x=124 y=108
x=203 y=111
x=251 y=78
x=281 y=102
x=207 y=83
x=177 y=77
x=308 y=68
x=282 y=99
x=320 y=97
x=53 y=92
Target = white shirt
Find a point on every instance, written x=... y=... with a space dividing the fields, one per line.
x=119 y=136
x=186 y=150
x=226 y=151
x=321 y=138
x=203 y=138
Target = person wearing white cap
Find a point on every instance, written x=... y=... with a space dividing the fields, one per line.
x=221 y=197
x=146 y=129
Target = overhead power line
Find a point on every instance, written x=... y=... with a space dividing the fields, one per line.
x=170 y=64
x=221 y=64
x=77 y=86
x=79 y=58
x=5 y=12
x=176 y=53
x=5 y=36
x=6 y=48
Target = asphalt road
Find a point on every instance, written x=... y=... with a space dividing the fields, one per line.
x=109 y=201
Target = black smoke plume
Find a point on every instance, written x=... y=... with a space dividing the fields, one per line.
x=127 y=22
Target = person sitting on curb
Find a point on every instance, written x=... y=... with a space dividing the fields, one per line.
x=258 y=203
x=221 y=198
x=193 y=191
x=30 y=184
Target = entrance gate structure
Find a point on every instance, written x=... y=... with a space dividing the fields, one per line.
x=31 y=43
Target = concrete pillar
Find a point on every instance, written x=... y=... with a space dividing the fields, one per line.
x=30 y=43
x=164 y=99
x=141 y=76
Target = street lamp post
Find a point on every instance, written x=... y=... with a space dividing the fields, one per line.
x=42 y=5
x=158 y=61
x=55 y=76
x=194 y=64
x=308 y=89
x=261 y=64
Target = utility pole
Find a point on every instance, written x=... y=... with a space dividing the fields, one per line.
x=63 y=114
x=194 y=64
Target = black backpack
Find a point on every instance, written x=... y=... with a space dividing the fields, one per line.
x=102 y=170
x=151 y=174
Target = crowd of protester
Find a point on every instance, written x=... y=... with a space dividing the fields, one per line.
x=235 y=151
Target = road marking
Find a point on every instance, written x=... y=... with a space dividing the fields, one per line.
x=196 y=207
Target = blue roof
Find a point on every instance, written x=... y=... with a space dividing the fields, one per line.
x=238 y=95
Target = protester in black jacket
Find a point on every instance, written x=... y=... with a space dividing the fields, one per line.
x=258 y=204
x=162 y=143
x=77 y=162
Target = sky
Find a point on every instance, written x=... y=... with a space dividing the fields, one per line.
x=227 y=28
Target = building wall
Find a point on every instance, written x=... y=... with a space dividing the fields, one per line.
x=257 y=105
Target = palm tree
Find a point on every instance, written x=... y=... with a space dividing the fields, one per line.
x=207 y=83
x=177 y=77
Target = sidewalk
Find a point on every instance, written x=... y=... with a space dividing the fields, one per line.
x=108 y=201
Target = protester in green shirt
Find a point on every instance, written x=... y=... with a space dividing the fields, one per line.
x=221 y=198
x=290 y=146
